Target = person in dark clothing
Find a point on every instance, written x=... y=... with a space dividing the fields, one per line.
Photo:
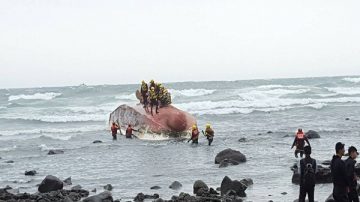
x=338 y=172
x=307 y=176
x=144 y=93
x=351 y=175
x=153 y=100
x=299 y=142
x=114 y=129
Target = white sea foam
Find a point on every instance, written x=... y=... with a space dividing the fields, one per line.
x=36 y=96
x=352 y=79
x=131 y=96
x=259 y=104
x=345 y=91
x=191 y=92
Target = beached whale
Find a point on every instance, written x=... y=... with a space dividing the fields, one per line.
x=170 y=120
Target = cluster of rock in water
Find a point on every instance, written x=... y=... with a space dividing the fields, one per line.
x=51 y=188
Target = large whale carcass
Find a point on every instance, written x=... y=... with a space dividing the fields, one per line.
x=170 y=121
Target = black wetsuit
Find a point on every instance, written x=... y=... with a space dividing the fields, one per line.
x=340 y=182
x=351 y=178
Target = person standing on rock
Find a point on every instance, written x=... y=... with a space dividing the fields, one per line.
x=299 y=142
x=153 y=100
x=338 y=172
x=307 y=176
x=209 y=133
x=351 y=174
x=144 y=93
x=194 y=135
x=114 y=129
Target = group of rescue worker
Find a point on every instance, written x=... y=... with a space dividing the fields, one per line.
x=209 y=134
x=154 y=94
x=128 y=133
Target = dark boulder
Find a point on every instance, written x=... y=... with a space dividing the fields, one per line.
x=108 y=187
x=323 y=175
x=330 y=198
x=199 y=184
x=312 y=134
x=102 y=197
x=67 y=181
x=231 y=155
x=155 y=187
x=247 y=181
x=94 y=190
x=141 y=197
x=326 y=162
x=97 y=141
x=50 y=183
x=237 y=187
x=243 y=139
x=226 y=162
x=55 y=151
x=30 y=173
x=175 y=185
x=11 y=161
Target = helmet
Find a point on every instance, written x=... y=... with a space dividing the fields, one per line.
x=159 y=84
x=152 y=81
x=299 y=130
x=152 y=88
x=142 y=81
x=194 y=126
x=208 y=125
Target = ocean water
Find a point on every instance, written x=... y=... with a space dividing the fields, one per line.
x=35 y=120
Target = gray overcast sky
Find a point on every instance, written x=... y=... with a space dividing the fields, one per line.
x=68 y=42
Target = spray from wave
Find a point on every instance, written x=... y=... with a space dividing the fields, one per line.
x=191 y=92
x=352 y=79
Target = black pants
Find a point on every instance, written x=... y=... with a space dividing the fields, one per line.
x=195 y=141
x=114 y=136
x=299 y=151
x=210 y=140
x=145 y=101
x=309 y=190
x=353 y=195
x=152 y=103
x=340 y=194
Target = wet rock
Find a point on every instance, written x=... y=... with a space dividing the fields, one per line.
x=247 y=181
x=97 y=141
x=269 y=132
x=77 y=187
x=108 y=187
x=347 y=119
x=326 y=162
x=67 y=181
x=311 y=134
x=213 y=192
x=323 y=175
x=231 y=155
x=283 y=193
x=330 y=199
x=102 y=197
x=50 y=183
x=159 y=200
x=175 y=185
x=30 y=173
x=227 y=184
x=142 y=197
x=199 y=184
x=94 y=190
x=242 y=139
x=55 y=151
x=226 y=162
x=11 y=161
x=155 y=187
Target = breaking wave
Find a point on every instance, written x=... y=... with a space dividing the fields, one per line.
x=345 y=91
x=36 y=96
x=191 y=92
x=352 y=79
